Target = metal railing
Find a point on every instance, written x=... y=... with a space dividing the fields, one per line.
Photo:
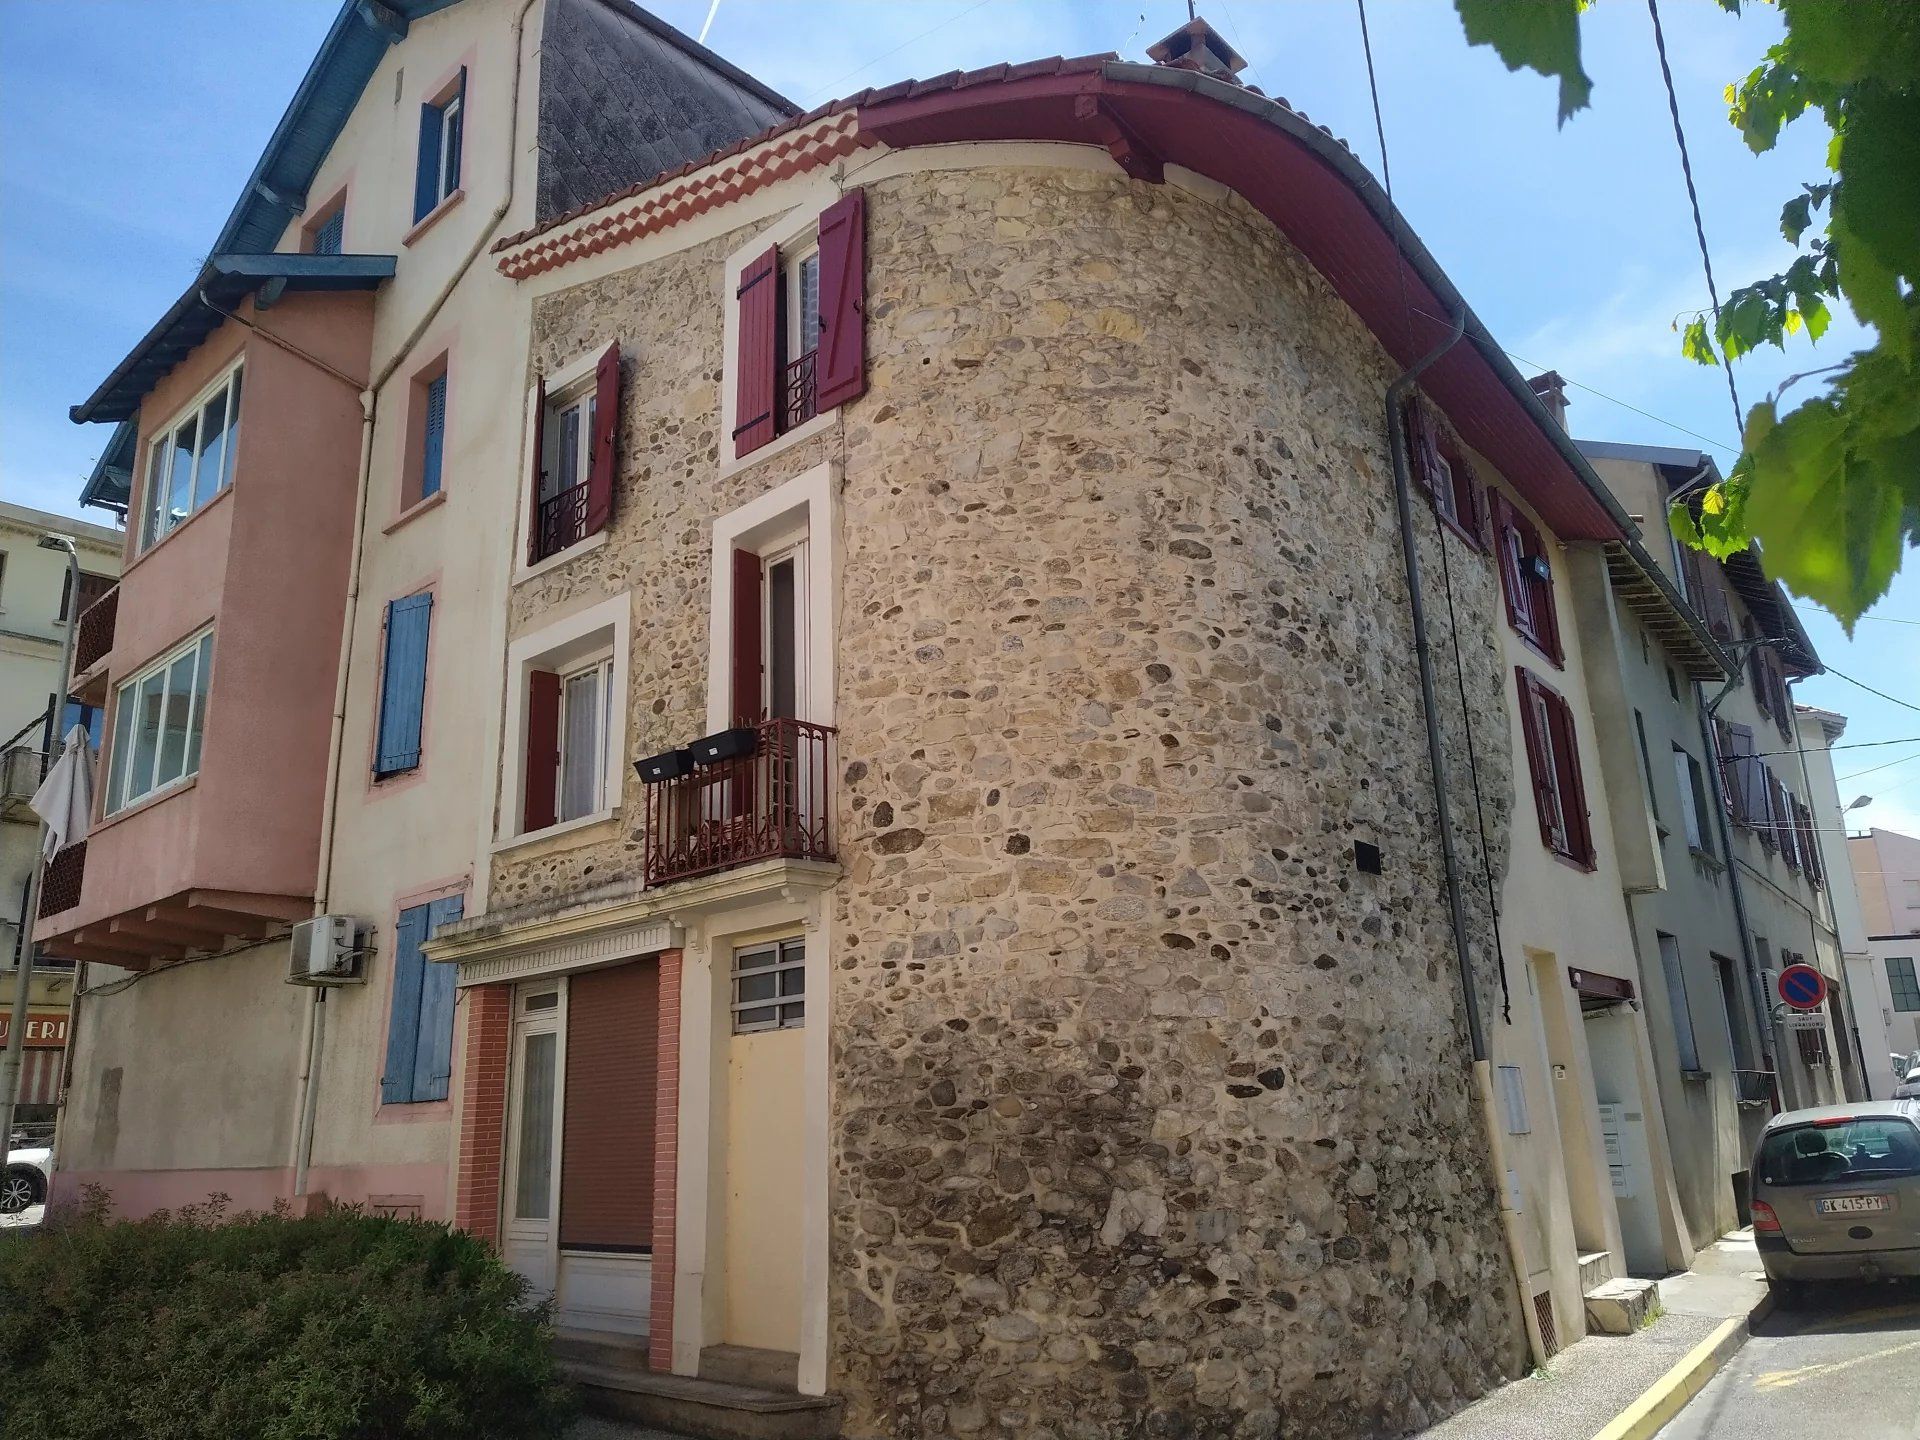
x=95 y=637
x=773 y=802
x=1757 y=1087
x=797 y=392
x=562 y=522
x=60 y=886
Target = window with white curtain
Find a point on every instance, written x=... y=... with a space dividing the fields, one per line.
x=158 y=717
x=585 y=697
x=191 y=461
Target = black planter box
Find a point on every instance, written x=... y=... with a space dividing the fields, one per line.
x=670 y=765
x=724 y=745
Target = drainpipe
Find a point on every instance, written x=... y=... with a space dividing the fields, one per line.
x=369 y=404
x=1450 y=860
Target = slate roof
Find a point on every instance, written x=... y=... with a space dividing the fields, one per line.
x=625 y=95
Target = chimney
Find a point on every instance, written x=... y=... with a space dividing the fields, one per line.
x=1196 y=45
x=1552 y=391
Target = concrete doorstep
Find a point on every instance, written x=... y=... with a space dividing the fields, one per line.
x=1627 y=1386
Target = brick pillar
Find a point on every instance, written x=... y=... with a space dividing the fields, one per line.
x=483 y=1111
x=666 y=1165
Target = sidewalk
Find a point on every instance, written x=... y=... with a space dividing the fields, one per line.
x=1591 y=1381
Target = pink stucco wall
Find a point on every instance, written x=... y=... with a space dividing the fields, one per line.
x=141 y=1192
x=266 y=562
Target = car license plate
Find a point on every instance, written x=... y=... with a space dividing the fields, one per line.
x=1850 y=1204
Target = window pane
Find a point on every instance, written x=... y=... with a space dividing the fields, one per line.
x=180 y=476
x=569 y=457
x=197 y=711
x=793 y=982
x=745 y=1019
x=754 y=959
x=213 y=447
x=783 y=667
x=174 y=712
x=580 y=747
x=122 y=748
x=809 y=297
x=533 y=1175
x=794 y=1014
x=156 y=492
x=146 y=734
x=233 y=431
x=756 y=986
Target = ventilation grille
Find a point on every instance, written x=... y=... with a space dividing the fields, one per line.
x=1543 y=1312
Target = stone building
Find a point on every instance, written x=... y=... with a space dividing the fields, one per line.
x=1019 y=992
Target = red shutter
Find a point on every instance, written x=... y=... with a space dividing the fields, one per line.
x=840 y=368
x=1728 y=767
x=1534 y=727
x=746 y=638
x=1573 y=790
x=543 y=750
x=1507 y=544
x=1422 y=447
x=1764 y=816
x=757 y=396
x=539 y=468
x=1482 y=519
x=606 y=427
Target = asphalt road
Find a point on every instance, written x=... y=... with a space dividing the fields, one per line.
x=1845 y=1367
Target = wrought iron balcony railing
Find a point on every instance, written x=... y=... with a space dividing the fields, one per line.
x=562 y=522
x=1757 y=1087
x=797 y=393
x=772 y=800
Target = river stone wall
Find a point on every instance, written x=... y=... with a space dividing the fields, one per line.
x=1152 y=1113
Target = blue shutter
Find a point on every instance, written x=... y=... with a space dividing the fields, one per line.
x=328 y=239
x=436 y=436
x=426 y=165
x=403 y=1023
x=456 y=132
x=403 y=684
x=433 y=1059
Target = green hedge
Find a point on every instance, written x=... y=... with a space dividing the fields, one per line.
x=194 y=1325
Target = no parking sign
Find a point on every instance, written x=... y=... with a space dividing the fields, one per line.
x=1802 y=987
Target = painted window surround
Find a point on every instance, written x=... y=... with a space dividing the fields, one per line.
x=569 y=643
x=807 y=504
x=565 y=383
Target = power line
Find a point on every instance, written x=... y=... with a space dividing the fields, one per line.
x=1908 y=704
x=1850 y=745
x=1871 y=768
x=1693 y=198
x=833 y=85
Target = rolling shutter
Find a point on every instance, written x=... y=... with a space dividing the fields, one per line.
x=606 y=429
x=607 y=1128
x=539 y=809
x=403 y=684
x=758 y=358
x=840 y=369
x=403 y=1019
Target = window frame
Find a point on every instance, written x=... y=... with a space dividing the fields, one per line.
x=1692 y=780
x=451 y=115
x=602 y=668
x=1686 y=1036
x=790 y=958
x=1905 y=995
x=162 y=443
x=601 y=632
x=124 y=746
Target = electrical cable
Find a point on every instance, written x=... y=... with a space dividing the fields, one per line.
x=1869 y=689
x=1693 y=198
x=833 y=85
x=1872 y=768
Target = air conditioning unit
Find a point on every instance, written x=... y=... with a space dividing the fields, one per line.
x=326 y=950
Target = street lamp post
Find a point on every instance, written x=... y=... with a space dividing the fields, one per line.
x=23 y=965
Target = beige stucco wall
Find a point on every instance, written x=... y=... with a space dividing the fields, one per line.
x=1144 y=1102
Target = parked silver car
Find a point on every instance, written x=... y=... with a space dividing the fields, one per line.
x=24 y=1182
x=1836 y=1195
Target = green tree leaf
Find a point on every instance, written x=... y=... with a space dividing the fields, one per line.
x=1695 y=345
x=1542 y=35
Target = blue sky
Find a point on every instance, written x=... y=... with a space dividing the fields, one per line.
x=1574 y=245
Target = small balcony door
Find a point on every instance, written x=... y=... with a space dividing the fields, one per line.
x=789 y=782
x=532 y=1201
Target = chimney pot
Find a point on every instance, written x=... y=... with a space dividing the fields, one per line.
x=1552 y=390
x=1196 y=45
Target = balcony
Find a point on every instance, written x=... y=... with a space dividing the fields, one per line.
x=772 y=800
x=562 y=522
x=22 y=768
x=1757 y=1087
x=94 y=639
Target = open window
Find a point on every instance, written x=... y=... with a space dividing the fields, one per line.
x=1553 y=760
x=569 y=719
x=1442 y=470
x=800 y=327
x=443 y=121
x=1526 y=579
x=575 y=428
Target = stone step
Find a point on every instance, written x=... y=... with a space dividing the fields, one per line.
x=706 y=1409
x=1595 y=1270
x=1620 y=1307
x=745 y=1365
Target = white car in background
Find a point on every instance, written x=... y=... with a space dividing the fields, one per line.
x=24 y=1183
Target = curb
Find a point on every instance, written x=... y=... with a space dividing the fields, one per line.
x=1668 y=1395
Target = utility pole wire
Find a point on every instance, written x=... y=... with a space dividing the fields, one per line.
x=1693 y=198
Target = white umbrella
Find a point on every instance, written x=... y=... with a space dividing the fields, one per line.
x=65 y=798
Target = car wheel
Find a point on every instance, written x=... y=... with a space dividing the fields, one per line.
x=1787 y=1294
x=18 y=1190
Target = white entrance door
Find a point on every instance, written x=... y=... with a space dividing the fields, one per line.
x=529 y=1237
